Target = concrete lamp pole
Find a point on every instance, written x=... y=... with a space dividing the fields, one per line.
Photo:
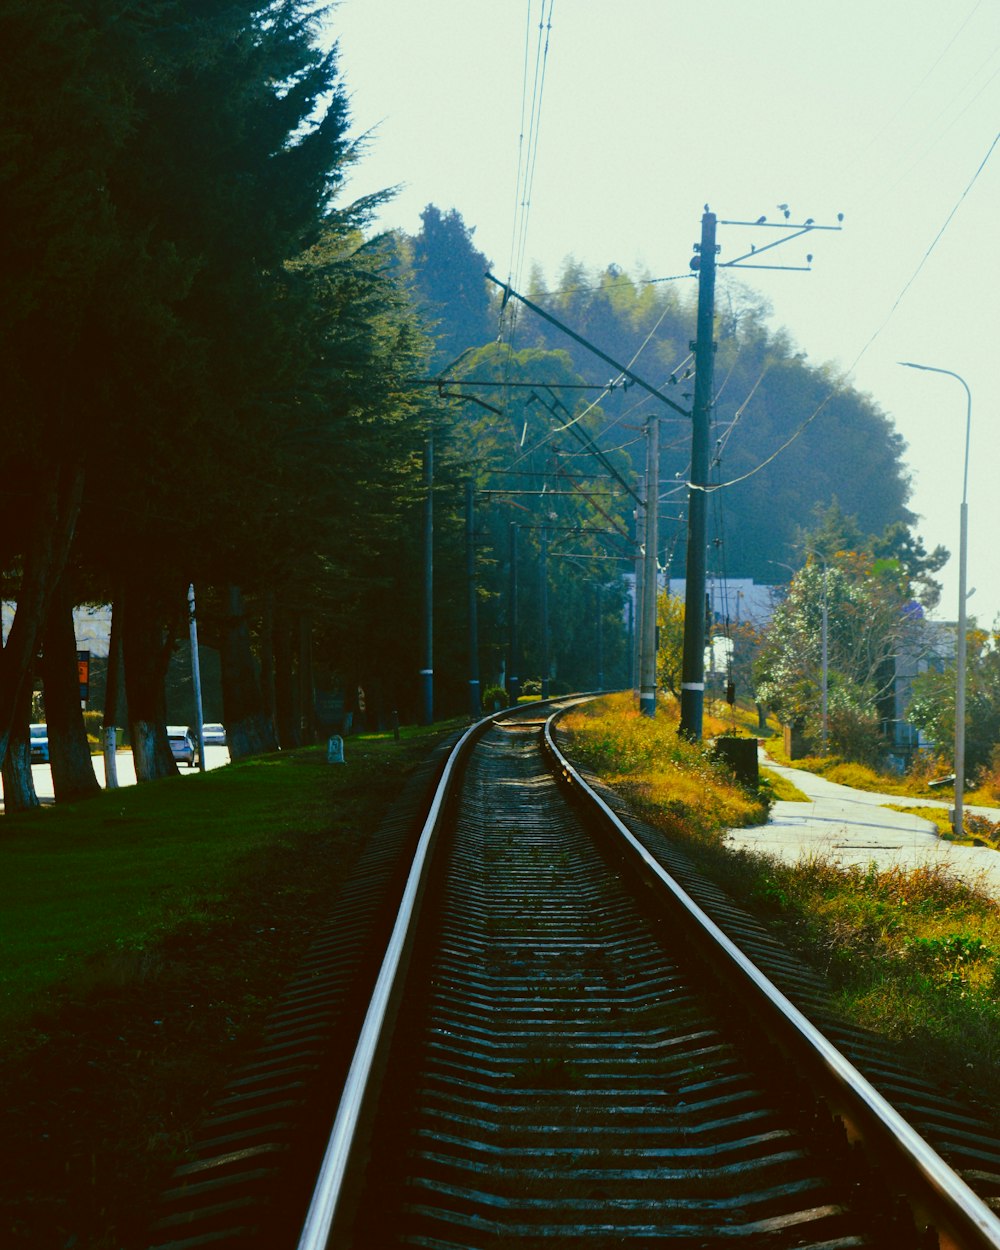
x=825 y=674
x=963 y=550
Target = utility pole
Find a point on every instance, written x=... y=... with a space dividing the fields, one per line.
x=640 y=525
x=693 y=659
x=544 y=596
x=199 y=716
x=632 y=674
x=647 y=641
x=513 y=657
x=704 y=263
x=475 y=702
x=599 y=592
x=427 y=672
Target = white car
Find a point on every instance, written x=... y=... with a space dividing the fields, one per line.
x=182 y=745
x=214 y=735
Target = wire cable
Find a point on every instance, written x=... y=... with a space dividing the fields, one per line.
x=840 y=386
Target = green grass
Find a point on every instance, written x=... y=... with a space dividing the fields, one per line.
x=782 y=788
x=862 y=777
x=980 y=830
x=146 y=935
x=83 y=882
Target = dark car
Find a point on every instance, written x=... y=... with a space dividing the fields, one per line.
x=39 y=738
x=182 y=745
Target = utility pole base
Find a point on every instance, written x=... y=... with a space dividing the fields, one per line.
x=692 y=714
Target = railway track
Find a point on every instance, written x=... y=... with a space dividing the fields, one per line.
x=568 y=1050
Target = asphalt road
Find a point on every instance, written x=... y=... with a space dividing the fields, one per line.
x=854 y=827
x=215 y=757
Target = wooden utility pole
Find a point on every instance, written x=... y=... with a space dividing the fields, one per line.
x=475 y=699
x=543 y=591
x=427 y=672
x=693 y=659
x=514 y=646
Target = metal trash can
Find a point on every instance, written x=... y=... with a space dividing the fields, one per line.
x=740 y=757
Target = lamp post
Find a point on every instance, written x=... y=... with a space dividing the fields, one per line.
x=963 y=547
x=824 y=661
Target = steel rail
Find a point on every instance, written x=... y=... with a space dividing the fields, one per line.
x=962 y=1220
x=328 y=1191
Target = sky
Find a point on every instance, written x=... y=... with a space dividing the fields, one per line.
x=883 y=110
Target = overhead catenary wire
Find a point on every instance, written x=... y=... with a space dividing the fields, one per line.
x=838 y=388
x=526 y=170
x=876 y=134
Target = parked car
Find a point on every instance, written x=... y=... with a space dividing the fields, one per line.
x=39 y=738
x=214 y=735
x=182 y=745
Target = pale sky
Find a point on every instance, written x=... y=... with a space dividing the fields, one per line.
x=883 y=110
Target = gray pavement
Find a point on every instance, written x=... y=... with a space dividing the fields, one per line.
x=215 y=757
x=854 y=827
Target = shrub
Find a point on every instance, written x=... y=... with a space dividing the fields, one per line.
x=494 y=699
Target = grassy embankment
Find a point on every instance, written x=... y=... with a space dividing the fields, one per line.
x=145 y=934
x=914 y=955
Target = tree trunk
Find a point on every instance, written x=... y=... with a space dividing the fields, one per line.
x=267 y=658
x=112 y=696
x=146 y=648
x=55 y=513
x=307 y=684
x=73 y=774
x=284 y=682
x=249 y=730
x=18 y=784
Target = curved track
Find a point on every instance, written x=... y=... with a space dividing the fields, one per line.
x=553 y=1056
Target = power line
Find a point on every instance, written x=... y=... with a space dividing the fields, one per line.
x=836 y=390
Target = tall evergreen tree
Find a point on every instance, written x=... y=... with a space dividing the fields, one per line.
x=449 y=273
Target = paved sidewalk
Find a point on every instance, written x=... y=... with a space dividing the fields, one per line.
x=215 y=757
x=853 y=827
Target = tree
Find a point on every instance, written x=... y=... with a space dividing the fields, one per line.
x=669 y=655
x=932 y=707
x=449 y=274
x=65 y=113
x=870 y=617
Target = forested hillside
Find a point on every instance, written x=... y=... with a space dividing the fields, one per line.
x=789 y=435
x=216 y=372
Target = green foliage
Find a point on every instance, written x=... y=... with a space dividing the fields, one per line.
x=932 y=707
x=914 y=955
x=866 y=602
x=494 y=699
x=670 y=642
x=850 y=451
x=449 y=275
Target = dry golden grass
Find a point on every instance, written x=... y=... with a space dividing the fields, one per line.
x=675 y=782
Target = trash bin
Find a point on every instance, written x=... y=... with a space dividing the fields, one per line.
x=740 y=757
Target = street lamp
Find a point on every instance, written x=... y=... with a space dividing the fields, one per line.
x=963 y=545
